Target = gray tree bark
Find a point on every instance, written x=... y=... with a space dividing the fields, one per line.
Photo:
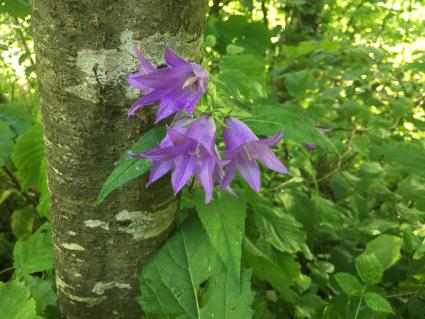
x=84 y=48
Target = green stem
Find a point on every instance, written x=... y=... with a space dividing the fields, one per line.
x=360 y=303
x=6 y=270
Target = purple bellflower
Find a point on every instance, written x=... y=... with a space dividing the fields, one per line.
x=178 y=87
x=188 y=150
x=244 y=148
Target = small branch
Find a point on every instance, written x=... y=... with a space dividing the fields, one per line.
x=341 y=158
x=6 y=270
x=265 y=12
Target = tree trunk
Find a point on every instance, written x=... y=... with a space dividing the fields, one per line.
x=84 y=48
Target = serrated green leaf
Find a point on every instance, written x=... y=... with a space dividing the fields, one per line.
x=41 y=290
x=376 y=302
x=386 y=248
x=16 y=117
x=34 y=254
x=280 y=229
x=22 y=222
x=349 y=284
x=186 y=279
x=369 y=268
x=224 y=222
x=15 y=302
x=270 y=119
x=280 y=273
x=28 y=157
x=129 y=168
x=6 y=142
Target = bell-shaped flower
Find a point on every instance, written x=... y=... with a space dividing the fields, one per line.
x=178 y=87
x=244 y=148
x=188 y=150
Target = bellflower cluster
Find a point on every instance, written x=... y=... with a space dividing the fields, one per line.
x=189 y=148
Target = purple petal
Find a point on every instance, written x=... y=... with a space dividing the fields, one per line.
x=273 y=140
x=229 y=175
x=237 y=133
x=206 y=177
x=159 y=169
x=203 y=130
x=166 y=78
x=249 y=171
x=172 y=59
x=148 y=99
x=264 y=154
x=167 y=153
x=145 y=66
x=186 y=167
x=133 y=81
x=190 y=106
x=173 y=101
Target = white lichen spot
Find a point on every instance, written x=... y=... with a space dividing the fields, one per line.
x=73 y=246
x=65 y=289
x=110 y=66
x=77 y=275
x=93 y=223
x=145 y=225
x=100 y=287
x=72 y=233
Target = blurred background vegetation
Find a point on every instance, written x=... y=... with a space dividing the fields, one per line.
x=352 y=212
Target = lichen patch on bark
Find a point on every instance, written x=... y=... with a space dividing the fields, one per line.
x=93 y=223
x=100 y=287
x=73 y=246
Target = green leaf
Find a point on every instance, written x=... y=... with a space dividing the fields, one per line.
x=16 y=8
x=129 y=168
x=6 y=142
x=376 y=302
x=224 y=222
x=386 y=248
x=369 y=268
x=409 y=157
x=15 y=302
x=270 y=119
x=42 y=292
x=298 y=83
x=280 y=273
x=16 y=117
x=349 y=284
x=22 y=222
x=280 y=229
x=329 y=45
x=34 y=254
x=186 y=279
x=28 y=157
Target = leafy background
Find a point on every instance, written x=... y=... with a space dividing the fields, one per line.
x=343 y=236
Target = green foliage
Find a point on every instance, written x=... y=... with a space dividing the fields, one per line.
x=195 y=284
x=349 y=284
x=128 y=168
x=225 y=231
x=369 y=268
x=6 y=142
x=34 y=254
x=15 y=302
x=377 y=303
x=16 y=8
